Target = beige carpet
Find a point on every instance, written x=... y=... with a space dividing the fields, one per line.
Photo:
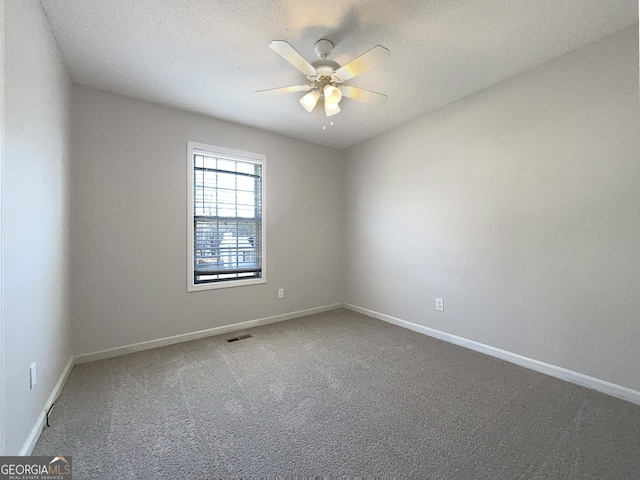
x=335 y=394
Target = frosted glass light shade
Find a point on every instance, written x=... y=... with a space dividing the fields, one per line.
x=309 y=100
x=331 y=108
x=332 y=94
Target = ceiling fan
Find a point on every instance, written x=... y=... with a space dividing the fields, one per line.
x=325 y=77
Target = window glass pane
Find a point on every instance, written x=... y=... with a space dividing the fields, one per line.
x=246 y=184
x=244 y=167
x=227 y=165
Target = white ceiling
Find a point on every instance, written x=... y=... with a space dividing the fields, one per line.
x=210 y=56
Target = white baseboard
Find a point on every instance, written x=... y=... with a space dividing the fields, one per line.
x=185 y=337
x=27 y=448
x=593 y=383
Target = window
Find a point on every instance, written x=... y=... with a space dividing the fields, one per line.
x=226 y=217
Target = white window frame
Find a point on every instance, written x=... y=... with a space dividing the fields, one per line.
x=231 y=154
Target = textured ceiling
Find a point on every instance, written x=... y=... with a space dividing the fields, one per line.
x=210 y=56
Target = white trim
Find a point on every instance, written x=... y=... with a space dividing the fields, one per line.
x=593 y=383
x=27 y=448
x=186 y=337
x=222 y=152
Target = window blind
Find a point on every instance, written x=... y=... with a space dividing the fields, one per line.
x=227 y=224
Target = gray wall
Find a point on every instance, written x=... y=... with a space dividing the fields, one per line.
x=129 y=207
x=520 y=207
x=34 y=217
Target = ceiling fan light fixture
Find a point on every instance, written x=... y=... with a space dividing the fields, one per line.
x=309 y=100
x=332 y=94
x=325 y=77
x=331 y=108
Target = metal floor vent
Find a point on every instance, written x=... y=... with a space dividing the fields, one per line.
x=241 y=337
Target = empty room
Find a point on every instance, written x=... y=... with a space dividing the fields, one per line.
x=323 y=239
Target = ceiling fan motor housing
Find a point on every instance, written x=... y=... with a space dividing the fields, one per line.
x=325 y=67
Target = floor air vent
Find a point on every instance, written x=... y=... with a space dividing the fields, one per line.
x=241 y=337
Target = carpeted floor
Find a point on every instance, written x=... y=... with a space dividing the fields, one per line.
x=335 y=394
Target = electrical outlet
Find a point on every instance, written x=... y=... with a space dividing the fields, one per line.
x=281 y=293
x=32 y=376
x=439 y=304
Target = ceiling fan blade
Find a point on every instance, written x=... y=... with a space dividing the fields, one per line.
x=369 y=59
x=290 y=54
x=363 y=95
x=281 y=90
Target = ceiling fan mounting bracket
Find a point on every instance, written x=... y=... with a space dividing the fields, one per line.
x=323 y=47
